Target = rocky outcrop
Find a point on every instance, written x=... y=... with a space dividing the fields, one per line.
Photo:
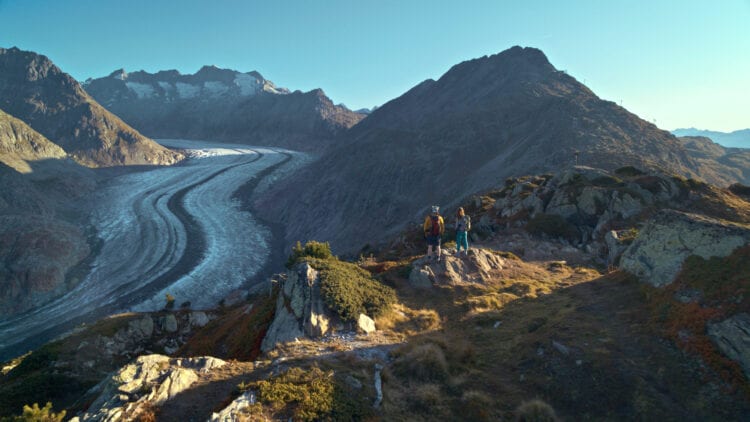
x=136 y=390
x=661 y=247
x=300 y=310
x=732 y=337
x=479 y=266
x=236 y=409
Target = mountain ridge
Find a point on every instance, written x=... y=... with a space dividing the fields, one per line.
x=735 y=139
x=223 y=104
x=34 y=90
x=497 y=116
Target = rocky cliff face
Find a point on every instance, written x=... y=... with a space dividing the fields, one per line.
x=509 y=114
x=661 y=247
x=222 y=104
x=36 y=91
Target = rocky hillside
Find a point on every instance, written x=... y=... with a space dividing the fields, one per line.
x=20 y=145
x=37 y=92
x=714 y=159
x=486 y=119
x=488 y=336
x=222 y=104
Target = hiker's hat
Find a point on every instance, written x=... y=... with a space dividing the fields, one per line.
x=435 y=209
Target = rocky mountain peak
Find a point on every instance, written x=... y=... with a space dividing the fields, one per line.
x=120 y=74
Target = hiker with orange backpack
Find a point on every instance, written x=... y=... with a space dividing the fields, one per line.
x=434 y=226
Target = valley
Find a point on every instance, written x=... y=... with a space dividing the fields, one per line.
x=173 y=230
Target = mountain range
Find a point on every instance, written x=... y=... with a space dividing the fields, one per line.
x=222 y=104
x=484 y=120
x=736 y=139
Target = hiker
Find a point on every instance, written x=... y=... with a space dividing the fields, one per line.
x=463 y=225
x=433 y=226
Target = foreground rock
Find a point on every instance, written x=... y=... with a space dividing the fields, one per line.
x=479 y=266
x=137 y=389
x=732 y=337
x=658 y=252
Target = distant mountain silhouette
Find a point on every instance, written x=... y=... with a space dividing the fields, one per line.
x=484 y=120
x=736 y=139
x=222 y=104
x=37 y=92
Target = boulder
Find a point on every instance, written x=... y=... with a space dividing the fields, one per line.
x=732 y=337
x=657 y=254
x=615 y=247
x=365 y=324
x=198 y=319
x=169 y=323
x=300 y=309
x=146 y=383
x=421 y=277
x=236 y=409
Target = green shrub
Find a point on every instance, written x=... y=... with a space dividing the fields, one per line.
x=35 y=414
x=309 y=395
x=629 y=171
x=312 y=249
x=535 y=411
x=551 y=225
x=349 y=290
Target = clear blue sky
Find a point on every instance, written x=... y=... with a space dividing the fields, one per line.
x=682 y=62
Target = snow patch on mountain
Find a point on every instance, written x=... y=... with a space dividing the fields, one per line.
x=215 y=88
x=141 y=90
x=166 y=86
x=187 y=90
x=248 y=84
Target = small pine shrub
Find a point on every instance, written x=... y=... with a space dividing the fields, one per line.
x=535 y=411
x=349 y=290
x=425 y=362
x=312 y=249
x=552 y=225
x=169 y=301
x=36 y=414
x=308 y=395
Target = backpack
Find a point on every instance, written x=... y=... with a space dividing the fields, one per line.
x=435 y=229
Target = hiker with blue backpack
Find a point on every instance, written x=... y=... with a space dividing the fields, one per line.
x=463 y=225
x=434 y=226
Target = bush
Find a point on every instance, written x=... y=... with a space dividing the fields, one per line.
x=425 y=362
x=552 y=225
x=308 y=394
x=35 y=414
x=349 y=290
x=535 y=411
x=312 y=249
